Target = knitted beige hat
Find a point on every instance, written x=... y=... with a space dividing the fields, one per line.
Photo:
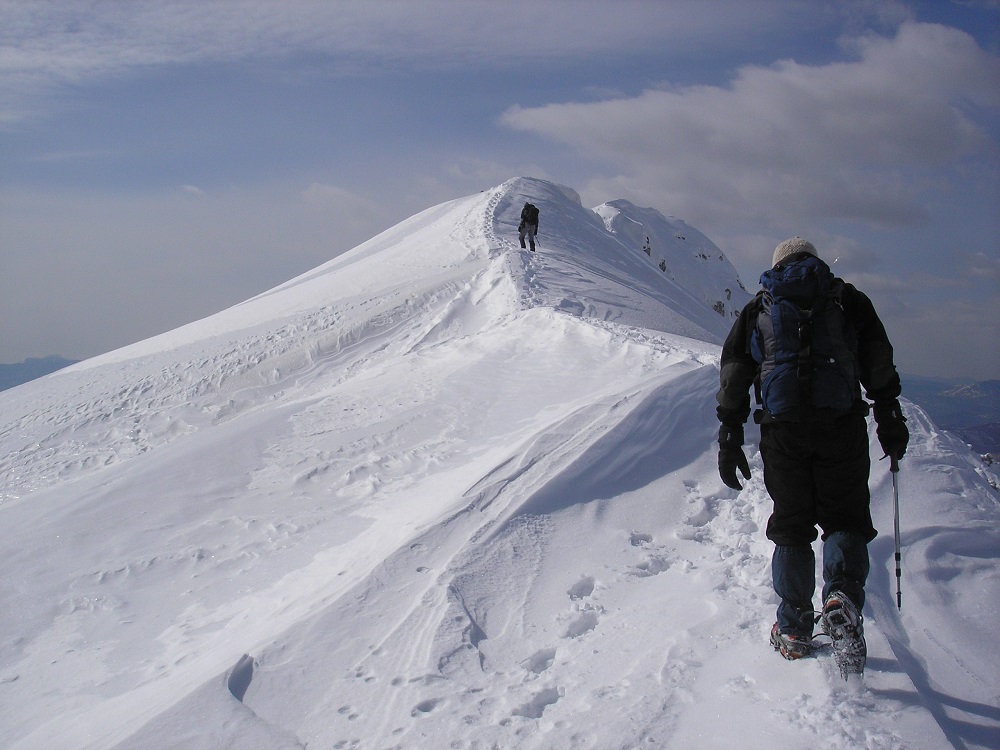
x=790 y=247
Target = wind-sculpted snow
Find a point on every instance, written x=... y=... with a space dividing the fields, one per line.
x=443 y=492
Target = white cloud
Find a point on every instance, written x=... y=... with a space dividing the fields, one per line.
x=844 y=141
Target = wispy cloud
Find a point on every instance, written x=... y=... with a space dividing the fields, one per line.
x=45 y=45
x=980 y=266
x=61 y=157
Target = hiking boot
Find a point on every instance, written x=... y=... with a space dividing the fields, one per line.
x=790 y=646
x=840 y=619
x=845 y=625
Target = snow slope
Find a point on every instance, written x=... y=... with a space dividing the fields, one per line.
x=441 y=492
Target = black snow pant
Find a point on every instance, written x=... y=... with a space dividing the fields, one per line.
x=529 y=230
x=817 y=474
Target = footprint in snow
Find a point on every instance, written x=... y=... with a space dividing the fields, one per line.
x=638 y=539
x=534 y=708
x=425 y=707
x=582 y=588
x=655 y=565
x=582 y=625
x=348 y=712
x=541 y=660
x=657 y=560
x=701 y=513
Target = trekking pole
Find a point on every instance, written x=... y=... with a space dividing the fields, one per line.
x=894 y=470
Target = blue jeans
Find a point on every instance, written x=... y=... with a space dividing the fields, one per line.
x=793 y=575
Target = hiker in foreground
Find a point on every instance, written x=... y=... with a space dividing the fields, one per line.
x=807 y=343
x=528 y=225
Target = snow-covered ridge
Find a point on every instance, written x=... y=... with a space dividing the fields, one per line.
x=442 y=492
x=446 y=272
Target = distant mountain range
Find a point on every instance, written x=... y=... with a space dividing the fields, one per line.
x=29 y=369
x=969 y=410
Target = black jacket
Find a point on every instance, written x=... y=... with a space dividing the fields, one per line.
x=740 y=371
x=529 y=216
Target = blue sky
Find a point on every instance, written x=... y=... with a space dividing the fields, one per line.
x=162 y=160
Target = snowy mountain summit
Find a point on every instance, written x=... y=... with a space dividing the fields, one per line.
x=442 y=492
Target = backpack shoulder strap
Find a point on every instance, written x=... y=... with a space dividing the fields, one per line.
x=756 y=304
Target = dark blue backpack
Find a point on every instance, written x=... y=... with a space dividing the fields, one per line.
x=803 y=341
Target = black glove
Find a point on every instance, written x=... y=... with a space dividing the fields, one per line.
x=891 y=431
x=731 y=456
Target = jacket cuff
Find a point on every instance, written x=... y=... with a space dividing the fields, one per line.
x=730 y=436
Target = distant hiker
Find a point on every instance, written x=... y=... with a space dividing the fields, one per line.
x=528 y=225
x=807 y=343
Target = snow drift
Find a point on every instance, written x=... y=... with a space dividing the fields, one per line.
x=442 y=492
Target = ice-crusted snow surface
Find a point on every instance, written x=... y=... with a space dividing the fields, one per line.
x=441 y=492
